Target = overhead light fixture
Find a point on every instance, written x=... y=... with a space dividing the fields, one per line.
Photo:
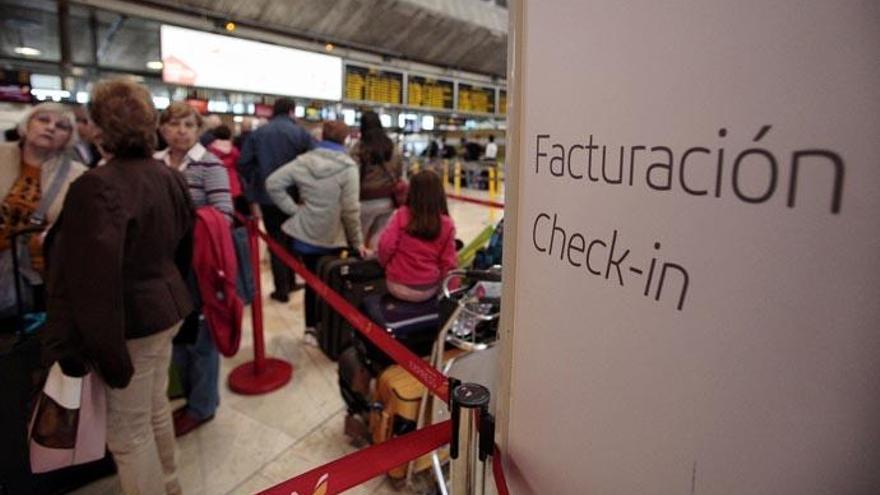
x=329 y=47
x=53 y=94
x=161 y=102
x=349 y=116
x=217 y=106
x=155 y=65
x=230 y=26
x=27 y=51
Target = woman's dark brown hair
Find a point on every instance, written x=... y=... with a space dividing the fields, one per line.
x=427 y=202
x=375 y=146
x=123 y=110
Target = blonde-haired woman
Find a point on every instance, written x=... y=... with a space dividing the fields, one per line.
x=35 y=174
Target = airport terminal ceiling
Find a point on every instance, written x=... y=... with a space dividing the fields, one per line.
x=465 y=35
x=422 y=38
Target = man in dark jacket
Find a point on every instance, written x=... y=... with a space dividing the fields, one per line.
x=266 y=150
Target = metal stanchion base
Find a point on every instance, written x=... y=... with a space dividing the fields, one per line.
x=275 y=374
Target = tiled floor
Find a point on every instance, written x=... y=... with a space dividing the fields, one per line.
x=256 y=442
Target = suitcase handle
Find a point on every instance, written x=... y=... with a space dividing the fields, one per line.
x=484 y=275
x=490 y=275
x=13 y=245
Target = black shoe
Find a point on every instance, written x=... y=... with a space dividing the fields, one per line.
x=297 y=286
x=277 y=296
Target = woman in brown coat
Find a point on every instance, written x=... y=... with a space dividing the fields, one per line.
x=116 y=293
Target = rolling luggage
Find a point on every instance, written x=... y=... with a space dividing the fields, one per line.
x=395 y=411
x=354 y=279
x=22 y=374
x=398 y=398
x=415 y=325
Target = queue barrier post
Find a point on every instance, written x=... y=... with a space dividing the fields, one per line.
x=470 y=405
x=445 y=175
x=457 y=178
x=262 y=375
x=493 y=192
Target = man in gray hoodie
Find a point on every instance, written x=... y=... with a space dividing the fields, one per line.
x=327 y=218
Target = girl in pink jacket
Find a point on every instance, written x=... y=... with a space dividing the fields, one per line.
x=417 y=247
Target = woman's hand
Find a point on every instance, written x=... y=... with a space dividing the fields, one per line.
x=365 y=252
x=255 y=211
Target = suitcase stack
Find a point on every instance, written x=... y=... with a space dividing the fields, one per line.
x=354 y=279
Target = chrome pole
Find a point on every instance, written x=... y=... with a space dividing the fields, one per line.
x=469 y=403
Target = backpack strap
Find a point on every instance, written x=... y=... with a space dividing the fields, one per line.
x=38 y=217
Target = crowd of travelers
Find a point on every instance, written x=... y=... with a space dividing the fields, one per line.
x=115 y=247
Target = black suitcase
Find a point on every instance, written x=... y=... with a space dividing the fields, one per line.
x=22 y=374
x=415 y=325
x=354 y=279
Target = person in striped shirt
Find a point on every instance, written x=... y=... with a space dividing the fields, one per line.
x=195 y=353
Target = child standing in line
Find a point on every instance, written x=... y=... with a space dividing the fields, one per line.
x=417 y=248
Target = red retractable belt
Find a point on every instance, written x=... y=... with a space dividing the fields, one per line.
x=366 y=464
x=484 y=202
x=363 y=465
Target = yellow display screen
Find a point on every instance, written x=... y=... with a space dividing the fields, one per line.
x=476 y=99
x=373 y=85
x=429 y=93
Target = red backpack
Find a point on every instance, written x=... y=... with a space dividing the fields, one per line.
x=215 y=266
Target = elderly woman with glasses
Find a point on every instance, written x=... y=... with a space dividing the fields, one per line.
x=34 y=177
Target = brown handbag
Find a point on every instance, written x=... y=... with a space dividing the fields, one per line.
x=399 y=189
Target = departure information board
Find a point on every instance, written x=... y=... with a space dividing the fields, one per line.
x=429 y=93
x=479 y=99
x=502 y=102
x=378 y=86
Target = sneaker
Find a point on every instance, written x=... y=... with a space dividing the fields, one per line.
x=310 y=337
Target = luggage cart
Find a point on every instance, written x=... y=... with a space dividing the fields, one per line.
x=472 y=329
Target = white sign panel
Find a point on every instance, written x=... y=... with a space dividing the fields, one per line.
x=196 y=58
x=697 y=304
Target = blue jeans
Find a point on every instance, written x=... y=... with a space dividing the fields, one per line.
x=199 y=366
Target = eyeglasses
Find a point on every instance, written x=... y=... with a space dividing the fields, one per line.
x=61 y=123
